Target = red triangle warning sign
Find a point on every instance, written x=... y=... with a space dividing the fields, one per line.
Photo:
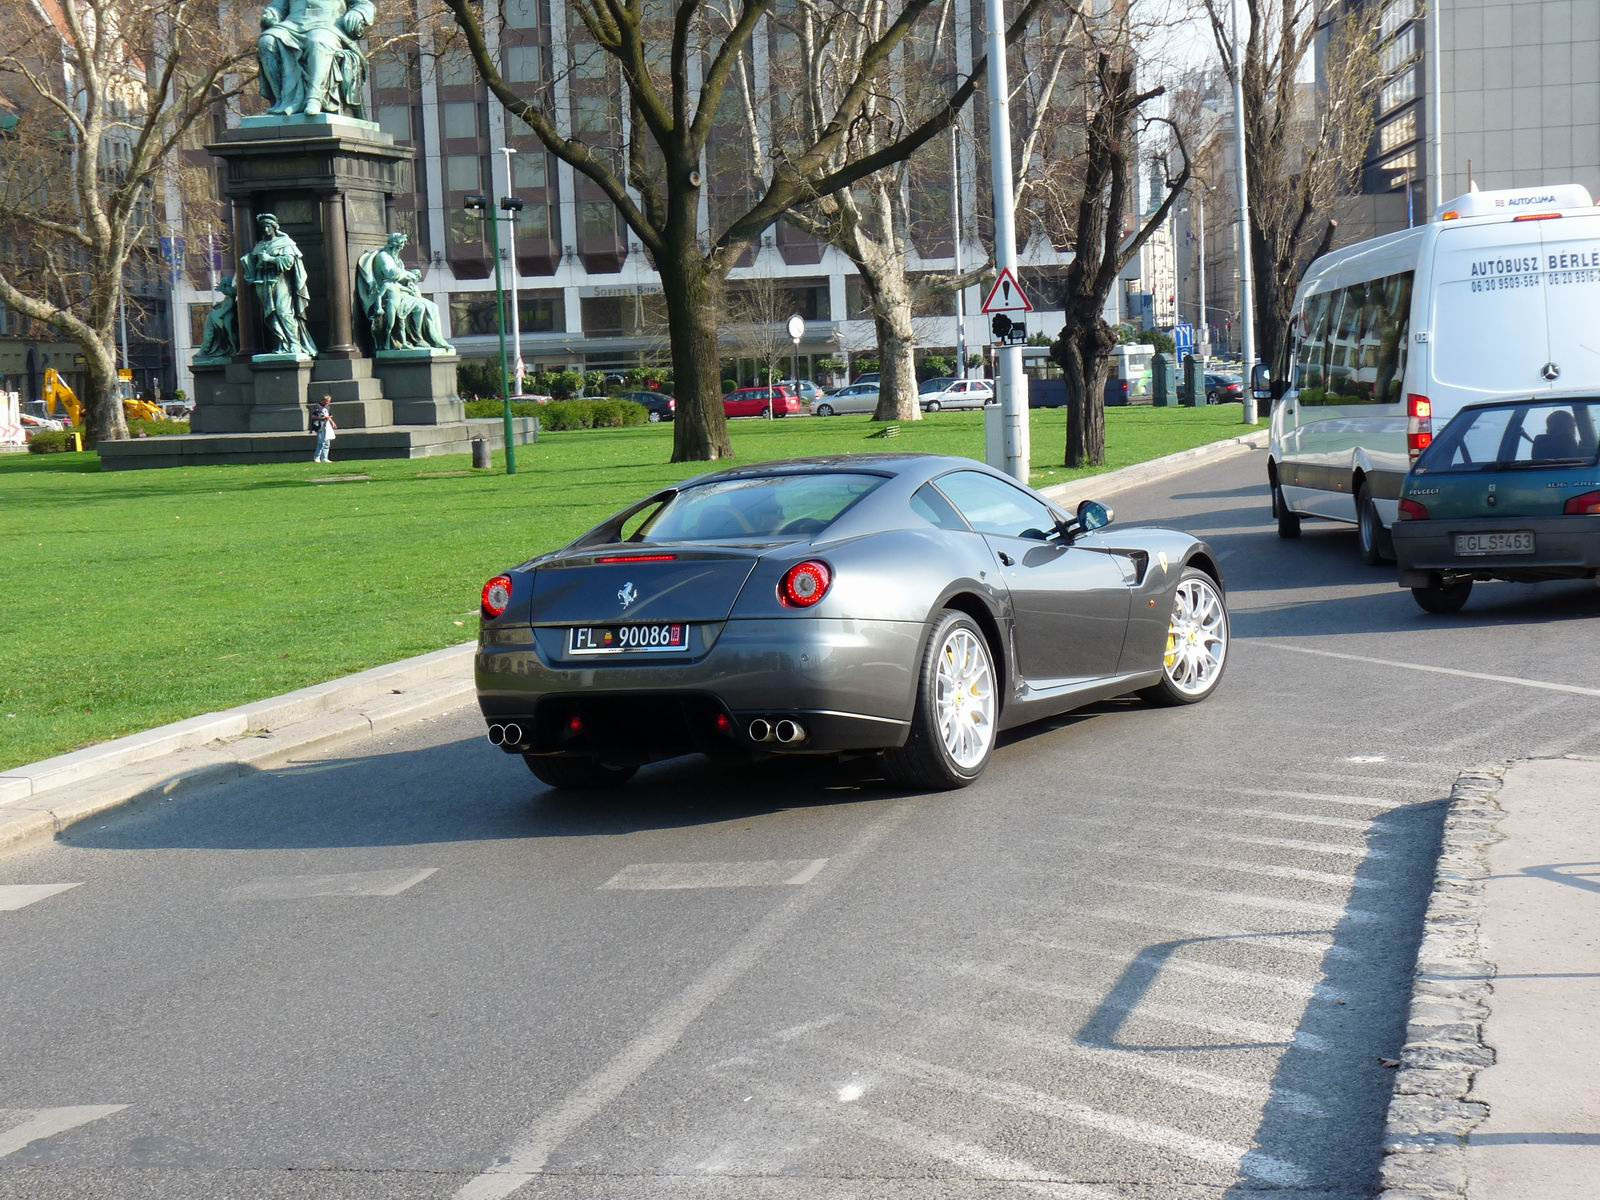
x=1006 y=295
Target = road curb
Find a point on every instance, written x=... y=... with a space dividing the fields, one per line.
x=1433 y=1108
x=43 y=798
x=1111 y=482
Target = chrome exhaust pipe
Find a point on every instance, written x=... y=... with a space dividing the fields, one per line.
x=790 y=732
x=497 y=734
x=513 y=735
x=760 y=731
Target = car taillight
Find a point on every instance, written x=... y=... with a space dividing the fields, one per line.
x=1410 y=510
x=1419 y=425
x=496 y=596
x=804 y=584
x=1586 y=505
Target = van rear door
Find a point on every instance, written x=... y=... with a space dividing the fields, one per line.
x=1571 y=245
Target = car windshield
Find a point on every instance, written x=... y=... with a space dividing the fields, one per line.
x=768 y=506
x=1531 y=434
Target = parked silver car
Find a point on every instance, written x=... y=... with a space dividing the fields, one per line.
x=961 y=393
x=856 y=398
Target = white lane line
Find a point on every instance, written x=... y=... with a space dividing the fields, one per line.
x=657 y=877
x=1212 y=789
x=351 y=883
x=1260 y=1033
x=1312 y=943
x=40 y=1123
x=1248 y=839
x=1305 y=908
x=1133 y=1129
x=1295 y=989
x=19 y=895
x=1264 y=814
x=1390 y=781
x=1268 y=870
x=1159 y=1067
x=667 y=1025
x=1570 y=689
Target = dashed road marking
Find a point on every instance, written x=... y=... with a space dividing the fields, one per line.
x=21 y=1127
x=351 y=883
x=1233 y=865
x=652 y=877
x=1296 y=989
x=19 y=895
x=1570 y=689
x=1264 y=814
x=1392 y=781
x=1305 y=908
x=1280 y=794
x=1312 y=943
x=1248 y=839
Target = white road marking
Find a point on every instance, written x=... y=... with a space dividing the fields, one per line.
x=351 y=883
x=1220 y=1024
x=653 y=877
x=1306 y=908
x=1311 y=943
x=1263 y=814
x=1570 y=689
x=1392 y=781
x=40 y=1123
x=1159 y=1067
x=666 y=1026
x=19 y=895
x=1249 y=839
x=1297 y=989
x=852 y=1092
x=1279 y=794
x=1270 y=870
x=1367 y=758
x=1134 y=1129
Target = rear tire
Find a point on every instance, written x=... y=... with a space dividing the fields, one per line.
x=824 y=410
x=654 y=418
x=1288 y=522
x=926 y=762
x=1377 y=544
x=577 y=774
x=1440 y=597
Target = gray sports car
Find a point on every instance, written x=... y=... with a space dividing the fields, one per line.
x=903 y=605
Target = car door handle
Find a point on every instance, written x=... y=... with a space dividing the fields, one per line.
x=1006 y=559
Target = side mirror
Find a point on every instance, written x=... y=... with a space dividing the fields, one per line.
x=1261 y=380
x=1093 y=515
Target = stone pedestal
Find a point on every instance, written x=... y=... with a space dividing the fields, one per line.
x=281 y=385
x=224 y=393
x=421 y=385
x=359 y=400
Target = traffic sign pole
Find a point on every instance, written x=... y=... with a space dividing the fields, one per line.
x=1011 y=383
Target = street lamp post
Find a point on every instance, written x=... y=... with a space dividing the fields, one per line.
x=516 y=299
x=1011 y=383
x=1247 y=299
x=797 y=330
x=480 y=205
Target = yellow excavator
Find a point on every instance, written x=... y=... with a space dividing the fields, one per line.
x=58 y=397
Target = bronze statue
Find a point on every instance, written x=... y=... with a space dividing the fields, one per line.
x=390 y=295
x=311 y=56
x=277 y=270
x=221 y=336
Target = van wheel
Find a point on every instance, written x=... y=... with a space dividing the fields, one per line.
x=1288 y=522
x=1377 y=543
x=1440 y=597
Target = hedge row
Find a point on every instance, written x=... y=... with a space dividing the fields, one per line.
x=568 y=414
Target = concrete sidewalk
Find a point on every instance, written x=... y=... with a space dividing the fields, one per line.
x=1498 y=1095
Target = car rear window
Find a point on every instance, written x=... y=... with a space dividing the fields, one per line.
x=1532 y=434
x=762 y=507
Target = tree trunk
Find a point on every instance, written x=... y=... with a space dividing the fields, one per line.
x=103 y=408
x=897 y=366
x=1083 y=350
x=694 y=299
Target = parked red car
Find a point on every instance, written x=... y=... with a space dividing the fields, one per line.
x=754 y=402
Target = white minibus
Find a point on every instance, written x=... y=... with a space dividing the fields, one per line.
x=1391 y=337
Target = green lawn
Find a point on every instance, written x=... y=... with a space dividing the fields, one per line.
x=137 y=598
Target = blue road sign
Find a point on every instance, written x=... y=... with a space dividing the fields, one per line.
x=1183 y=339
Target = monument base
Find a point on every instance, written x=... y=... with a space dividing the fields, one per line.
x=227 y=449
x=224 y=394
x=421 y=385
x=281 y=383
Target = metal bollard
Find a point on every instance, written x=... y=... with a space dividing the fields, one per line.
x=480 y=454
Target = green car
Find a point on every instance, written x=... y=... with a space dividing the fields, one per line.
x=1508 y=490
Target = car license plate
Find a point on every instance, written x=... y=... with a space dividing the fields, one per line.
x=660 y=638
x=1517 y=542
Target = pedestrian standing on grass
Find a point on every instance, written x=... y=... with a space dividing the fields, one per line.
x=322 y=424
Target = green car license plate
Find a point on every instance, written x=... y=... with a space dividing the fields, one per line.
x=1518 y=541
x=659 y=638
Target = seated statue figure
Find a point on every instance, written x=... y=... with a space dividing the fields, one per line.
x=311 y=56
x=221 y=336
x=390 y=295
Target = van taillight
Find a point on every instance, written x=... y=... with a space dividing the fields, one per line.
x=1586 y=505
x=1536 y=217
x=1410 y=510
x=1419 y=425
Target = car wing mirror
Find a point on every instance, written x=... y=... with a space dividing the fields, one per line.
x=1261 y=380
x=1093 y=515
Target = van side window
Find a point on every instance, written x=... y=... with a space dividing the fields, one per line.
x=1311 y=361
x=1355 y=350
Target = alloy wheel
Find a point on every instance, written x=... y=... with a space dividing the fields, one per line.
x=964 y=697
x=1197 y=638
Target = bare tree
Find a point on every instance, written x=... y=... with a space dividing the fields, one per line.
x=757 y=312
x=106 y=91
x=1305 y=143
x=673 y=67
x=1101 y=247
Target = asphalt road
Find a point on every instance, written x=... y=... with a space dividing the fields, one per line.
x=1152 y=954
